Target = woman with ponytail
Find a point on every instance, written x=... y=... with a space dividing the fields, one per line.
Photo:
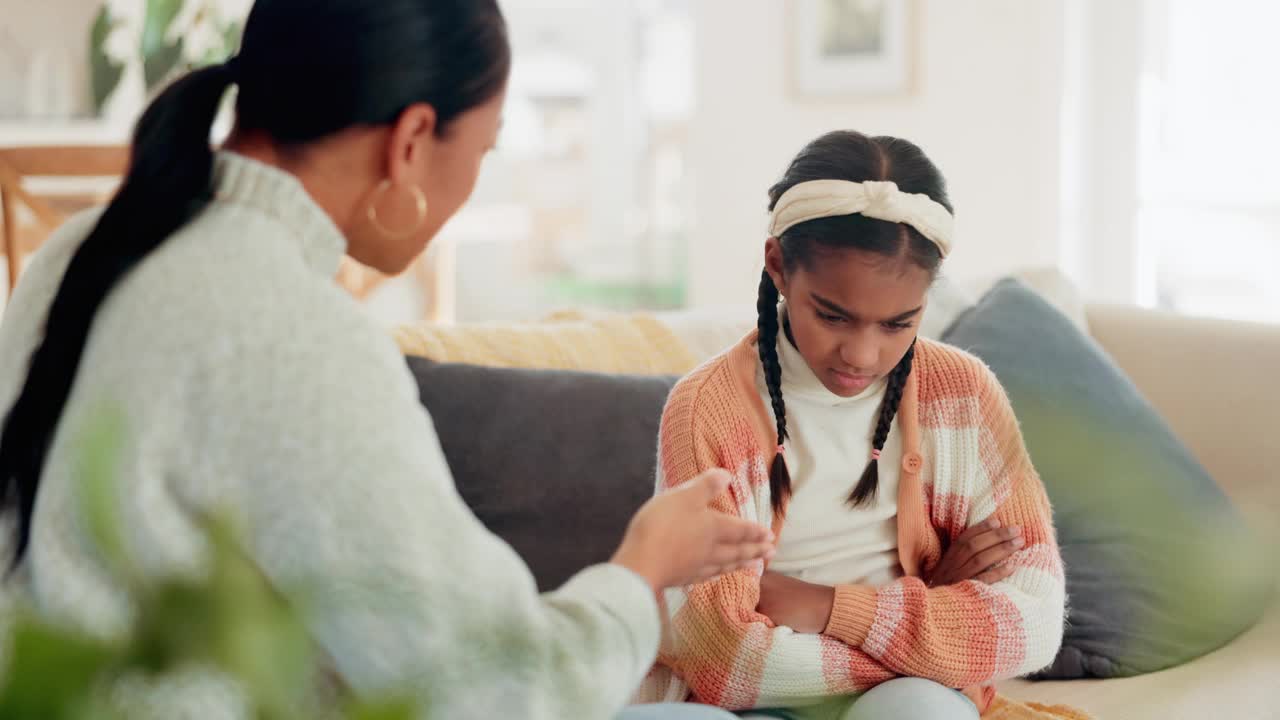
x=199 y=307
x=916 y=556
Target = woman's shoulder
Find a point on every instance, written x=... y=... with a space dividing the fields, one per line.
x=233 y=294
x=946 y=371
x=46 y=266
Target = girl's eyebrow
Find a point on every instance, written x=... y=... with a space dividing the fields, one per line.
x=902 y=317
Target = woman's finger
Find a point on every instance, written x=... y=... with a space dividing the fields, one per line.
x=728 y=529
x=709 y=485
x=705 y=573
x=738 y=553
x=714 y=568
x=710 y=572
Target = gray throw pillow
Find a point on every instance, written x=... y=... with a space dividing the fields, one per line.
x=1160 y=567
x=553 y=462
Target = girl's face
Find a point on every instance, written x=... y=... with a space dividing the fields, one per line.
x=853 y=314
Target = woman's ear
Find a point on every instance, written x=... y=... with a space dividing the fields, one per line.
x=411 y=144
x=774 y=266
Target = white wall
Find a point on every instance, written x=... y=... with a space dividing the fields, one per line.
x=986 y=107
x=1105 y=45
x=44 y=56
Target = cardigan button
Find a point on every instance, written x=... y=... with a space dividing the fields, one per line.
x=912 y=462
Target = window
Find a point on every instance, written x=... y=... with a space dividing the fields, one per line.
x=1209 y=160
x=584 y=202
x=583 y=205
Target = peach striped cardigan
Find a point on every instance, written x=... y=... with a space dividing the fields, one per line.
x=963 y=461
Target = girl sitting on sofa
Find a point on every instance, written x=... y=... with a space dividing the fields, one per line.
x=916 y=554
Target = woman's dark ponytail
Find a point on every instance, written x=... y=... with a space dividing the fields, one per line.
x=168 y=182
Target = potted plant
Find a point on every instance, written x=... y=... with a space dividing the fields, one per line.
x=230 y=620
x=169 y=37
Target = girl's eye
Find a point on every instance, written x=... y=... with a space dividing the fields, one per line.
x=830 y=319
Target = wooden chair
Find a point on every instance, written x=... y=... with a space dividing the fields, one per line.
x=18 y=165
x=430 y=274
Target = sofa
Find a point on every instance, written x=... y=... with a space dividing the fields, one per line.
x=1231 y=425
x=1219 y=402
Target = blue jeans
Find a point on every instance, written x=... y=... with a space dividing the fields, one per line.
x=900 y=699
x=675 y=711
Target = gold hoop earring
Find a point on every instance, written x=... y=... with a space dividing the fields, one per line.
x=420 y=201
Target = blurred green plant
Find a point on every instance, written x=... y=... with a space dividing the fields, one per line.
x=160 y=52
x=230 y=620
x=104 y=71
x=160 y=55
x=618 y=296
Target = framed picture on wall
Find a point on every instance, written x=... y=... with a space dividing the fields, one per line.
x=851 y=48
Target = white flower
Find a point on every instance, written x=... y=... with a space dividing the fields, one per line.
x=121 y=44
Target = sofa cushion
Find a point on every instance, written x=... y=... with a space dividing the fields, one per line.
x=554 y=462
x=1236 y=681
x=1050 y=283
x=598 y=342
x=1160 y=567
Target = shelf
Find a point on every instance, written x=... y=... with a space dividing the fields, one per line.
x=63 y=132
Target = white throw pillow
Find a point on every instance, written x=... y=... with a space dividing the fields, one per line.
x=947 y=301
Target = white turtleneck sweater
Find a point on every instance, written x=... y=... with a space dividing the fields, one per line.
x=250 y=383
x=824 y=540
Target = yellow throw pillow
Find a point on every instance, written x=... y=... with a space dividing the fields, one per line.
x=610 y=343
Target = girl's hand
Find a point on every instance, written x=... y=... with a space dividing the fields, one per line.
x=977 y=555
x=801 y=606
x=678 y=539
